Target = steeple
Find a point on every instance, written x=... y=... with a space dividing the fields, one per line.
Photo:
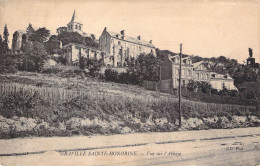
x=73 y=16
x=74 y=25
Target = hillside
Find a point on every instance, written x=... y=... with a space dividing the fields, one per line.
x=67 y=103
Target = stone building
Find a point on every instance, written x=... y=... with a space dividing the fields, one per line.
x=169 y=70
x=73 y=51
x=119 y=47
x=17 y=41
x=199 y=71
x=220 y=81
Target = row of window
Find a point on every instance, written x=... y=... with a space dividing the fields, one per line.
x=184 y=61
x=184 y=72
x=70 y=27
x=188 y=72
x=202 y=76
x=134 y=47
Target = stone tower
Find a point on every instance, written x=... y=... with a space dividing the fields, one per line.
x=17 y=41
x=74 y=25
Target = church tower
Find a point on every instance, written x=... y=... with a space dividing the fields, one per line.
x=74 y=25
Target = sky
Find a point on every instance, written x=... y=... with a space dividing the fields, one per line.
x=208 y=28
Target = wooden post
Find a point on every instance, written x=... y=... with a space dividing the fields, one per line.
x=180 y=86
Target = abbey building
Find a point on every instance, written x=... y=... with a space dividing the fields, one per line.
x=120 y=47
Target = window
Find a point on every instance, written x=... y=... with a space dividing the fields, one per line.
x=207 y=76
x=119 y=43
x=76 y=27
x=79 y=27
x=139 y=48
x=223 y=85
x=189 y=72
x=177 y=70
x=198 y=75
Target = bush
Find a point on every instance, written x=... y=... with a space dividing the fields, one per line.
x=51 y=70
x=93 y=65
x=18 y=104
x=8 y=63
x=111 y=75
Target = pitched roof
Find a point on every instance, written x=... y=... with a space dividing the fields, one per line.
x=130 y=39
x=196 y=64
x=74 y=18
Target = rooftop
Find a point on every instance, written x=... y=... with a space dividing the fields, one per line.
x=130 y=39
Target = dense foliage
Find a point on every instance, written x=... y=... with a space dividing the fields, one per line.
x=144 y=67
x=93 y=65
x=74 y=37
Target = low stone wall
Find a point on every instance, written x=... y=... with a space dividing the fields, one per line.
x=21 y=126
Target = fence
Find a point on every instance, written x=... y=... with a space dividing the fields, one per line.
x=46 y=93
x=54 y=94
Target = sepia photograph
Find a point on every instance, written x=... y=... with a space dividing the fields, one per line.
x=129 y=82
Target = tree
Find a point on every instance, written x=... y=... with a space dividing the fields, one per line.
x=29 y=30
x=1 y=45
x=52 y=45
x=5 y=42
x=34 y=57
x=93 y=37
x=244 y=74
x=145 y=67
x=71 y=37
x=93 y=65
x=40 y=35
x=192 y=86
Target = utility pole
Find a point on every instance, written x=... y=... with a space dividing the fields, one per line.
x=180 y=86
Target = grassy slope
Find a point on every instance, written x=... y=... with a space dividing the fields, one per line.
x=124 y=105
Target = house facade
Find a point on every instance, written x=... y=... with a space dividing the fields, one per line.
x=220 y=81
x=199 y=71
x=119 y=47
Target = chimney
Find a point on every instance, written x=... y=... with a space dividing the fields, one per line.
x=105 y=29
x=123 y=32
x=139 y=37
x=151 y=41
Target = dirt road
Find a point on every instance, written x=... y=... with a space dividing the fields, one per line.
x=207 y=147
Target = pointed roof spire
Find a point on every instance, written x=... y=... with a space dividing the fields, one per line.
x=73 y=16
